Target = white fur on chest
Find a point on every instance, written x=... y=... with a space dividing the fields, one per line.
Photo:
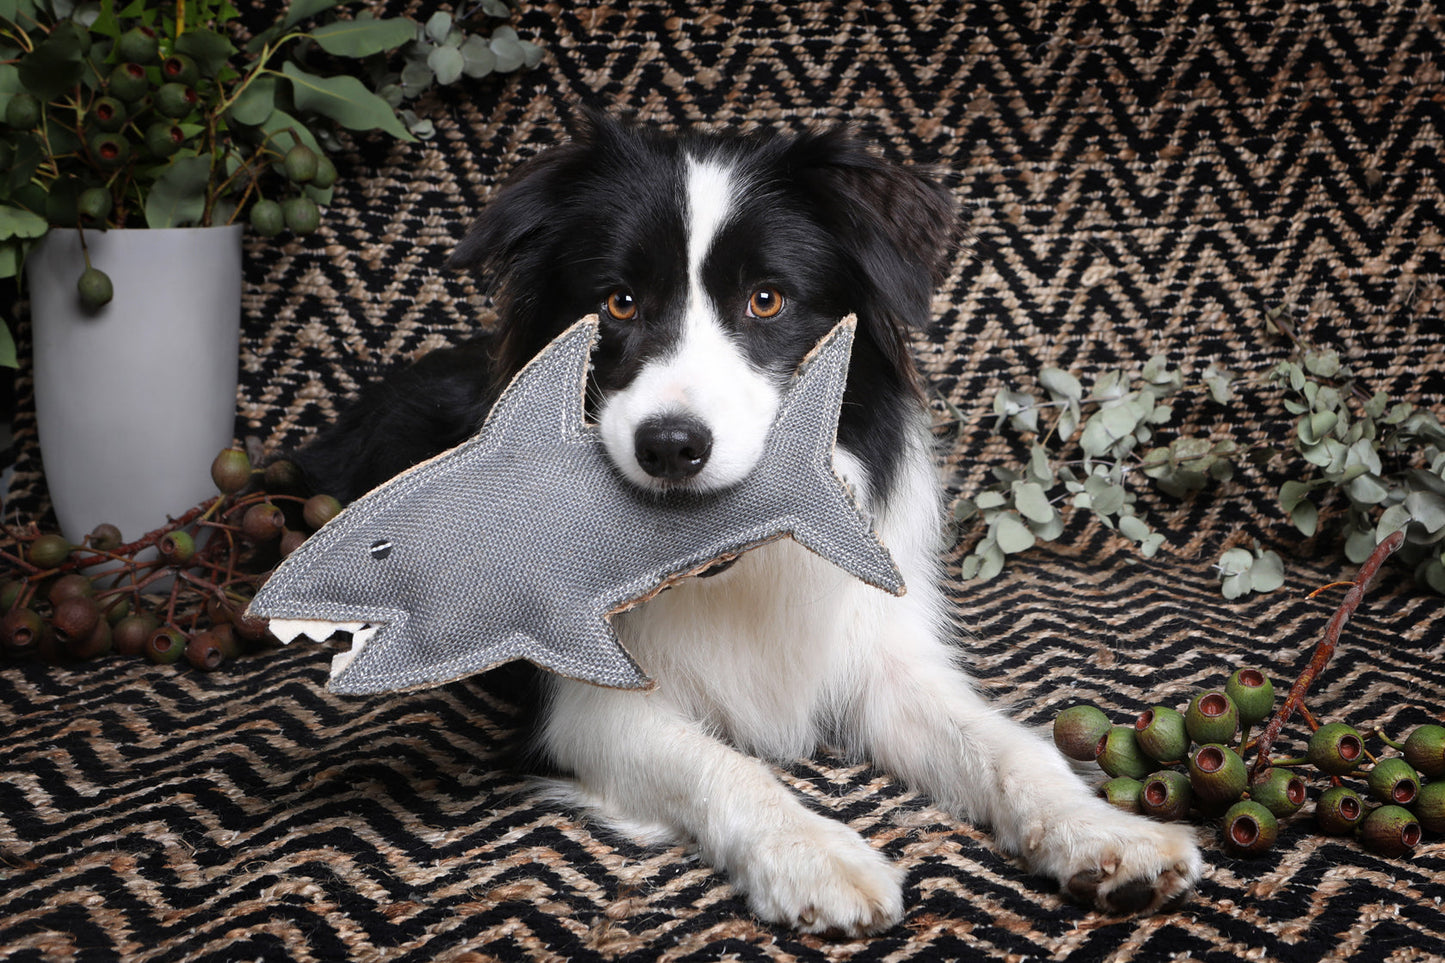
x=765 y=653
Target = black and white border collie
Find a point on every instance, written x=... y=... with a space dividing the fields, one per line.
x=715 y=263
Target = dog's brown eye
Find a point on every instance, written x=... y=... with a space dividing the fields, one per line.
x=765 y=303
x=622 y=306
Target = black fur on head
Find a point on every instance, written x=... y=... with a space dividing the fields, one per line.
x=838 y=227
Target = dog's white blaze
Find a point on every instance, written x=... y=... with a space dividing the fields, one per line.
x=706 y=376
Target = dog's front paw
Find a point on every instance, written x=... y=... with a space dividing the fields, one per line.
x=822 y=878
x=1118 y=862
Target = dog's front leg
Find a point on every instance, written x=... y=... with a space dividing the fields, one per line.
x=917 y=715
x=646 y=766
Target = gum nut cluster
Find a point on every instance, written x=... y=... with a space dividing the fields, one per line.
x=85 y=601
x=1171 y=763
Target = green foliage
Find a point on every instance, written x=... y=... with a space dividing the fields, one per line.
x=1364 y=467
x=193 y=130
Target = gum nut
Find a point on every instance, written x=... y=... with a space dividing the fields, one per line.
x=1117 y=753
x=217 y=610
x=48 y=551
x=75 y=618
x=1280 y=791
x=1122 y=792
x=108 y=114
x=282 y=475
x=131 y=633
x=1335 y=748
x=70 y=586
x=1161 y=734
x=1430 y=807
x=1425 y=750
x=1249 y=828
x=9 y=591
x=128 y=81
x=177 y=547
x=176 y=100
x=165 y=645
x=1393 y=780
x=1252 y=693
x=1217 y=773
x=115 y=608
x=164 y=138
x=263 y=522
x=300 y=164
x=325 y=173
x=94 y=206
x=231 y=471
x=320 y=509
x=105 y=538
x=94 y=288
x=1339 y=810
x=1390 y=831
x=226 y=640
x=1077 y=730
x=267 y=218
x=1212 y=717
x=291 y=540
x=1166 y=795
x=20 y=631
x=302 y=215
x=203 y=651
x=94 y=645
x=138 y=45
x=180 y=69
x=109 y=151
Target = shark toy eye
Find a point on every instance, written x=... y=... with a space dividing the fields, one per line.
x=381 y=549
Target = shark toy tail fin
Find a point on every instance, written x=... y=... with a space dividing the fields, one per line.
x=806 y=431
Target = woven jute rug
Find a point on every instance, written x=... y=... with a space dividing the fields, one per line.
x=1138 y=178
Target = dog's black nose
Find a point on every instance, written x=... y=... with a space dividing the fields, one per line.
x=672 y=447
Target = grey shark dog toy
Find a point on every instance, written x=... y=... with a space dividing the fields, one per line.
x=521 y=542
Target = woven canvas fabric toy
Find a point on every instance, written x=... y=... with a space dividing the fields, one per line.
x=521 y=542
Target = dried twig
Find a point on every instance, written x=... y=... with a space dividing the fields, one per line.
x=1325 y=648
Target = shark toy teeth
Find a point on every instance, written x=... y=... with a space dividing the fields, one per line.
x=524 y=540
x=319 y=630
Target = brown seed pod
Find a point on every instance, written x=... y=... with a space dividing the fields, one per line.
x=263 y=522
x=75 y=618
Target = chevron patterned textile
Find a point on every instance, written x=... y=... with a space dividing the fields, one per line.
x=1138 y=178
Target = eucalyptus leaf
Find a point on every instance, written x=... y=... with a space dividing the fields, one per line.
x=1234 y=586
x=285 y=131
x=15 y=222
x=993 y=559
x=1060 y=384
x=362 y=38
x=209 y=49
x=1359 y=545
x=54 y=66
x=7 y=347
x=438 y=25
x=496 y=8
x=1032 y=502
x=300 y=10
x=1235 y=560
x=1106 y=497
x=1427 y=508
x=1367 y=490
x=1267 y=573
x=1306 y=518
x=509 y=52
x=1151 y=544
x=1134 y=528
x=1013 y=535
x=1391 y=520
x=531 y=54
x=447 y=64
x=478 y=59
x=178 y=197
x=990 y=499
x=256 y=102
x=344 y=100
x=416 y=77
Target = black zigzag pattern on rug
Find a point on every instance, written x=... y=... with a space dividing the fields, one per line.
x=1138 y=179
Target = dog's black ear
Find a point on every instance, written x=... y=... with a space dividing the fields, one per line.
x=897 y=224
x=521 y=214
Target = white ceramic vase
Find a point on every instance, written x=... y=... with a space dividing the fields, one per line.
x=134 y=401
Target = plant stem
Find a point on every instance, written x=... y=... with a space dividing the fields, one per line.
x=1325 y=648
